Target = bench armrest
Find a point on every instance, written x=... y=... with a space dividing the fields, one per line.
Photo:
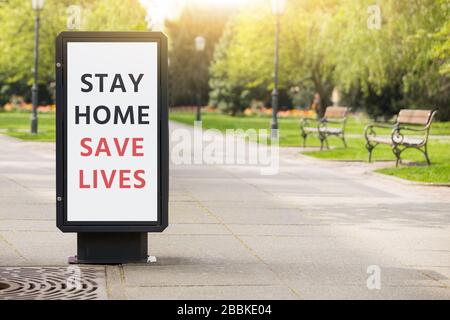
x=304 y=121
x=369 y=129
x=320 y=123
x=380 y=125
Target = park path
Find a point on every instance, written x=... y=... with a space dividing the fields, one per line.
x=311 y=231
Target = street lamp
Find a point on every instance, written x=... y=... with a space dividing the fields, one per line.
x=37 y=6
x=277 y=10
x=200 y=44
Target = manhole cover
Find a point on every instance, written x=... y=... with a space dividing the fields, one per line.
x=46 y=283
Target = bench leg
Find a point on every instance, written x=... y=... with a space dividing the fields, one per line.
x=320 y=136
x=323 y=139
x=397 y=153
x=370 y=148
x=426 y=155
x=304 y=136
x=343 y=140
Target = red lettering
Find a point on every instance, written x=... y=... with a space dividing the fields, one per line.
x=120 y=146
x=85 y=146
x=103 y=147
x=95 y=178
x=82 y=185
x=108 y=179
x=124 y=177
x=137 y=146
x=108 y=182
x=138 y=177
x=121 y=151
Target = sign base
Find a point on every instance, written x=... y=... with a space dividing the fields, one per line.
x=111 y=248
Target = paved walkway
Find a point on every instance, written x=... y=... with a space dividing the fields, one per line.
x=309 y=232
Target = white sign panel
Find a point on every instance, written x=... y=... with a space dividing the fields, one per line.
x=112 y=131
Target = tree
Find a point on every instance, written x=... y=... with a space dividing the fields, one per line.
x=114 y=15
x=400 y=65
x=229 y=97
x=304 y=47
x=17 y=37
x=188 y=69
x=403 y=63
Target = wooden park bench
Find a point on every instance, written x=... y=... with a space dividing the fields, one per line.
x=408 y=121
x=336 y=116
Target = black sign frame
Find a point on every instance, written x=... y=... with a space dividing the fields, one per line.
x=61 y=134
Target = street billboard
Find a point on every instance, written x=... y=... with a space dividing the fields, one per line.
x=112 y=127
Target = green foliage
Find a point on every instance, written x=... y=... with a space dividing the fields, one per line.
x=400 y=65
x=229 y=97
x=188 y=69
x=17 y=36
x=114 y=15
x=303 y=49
x=441 y=49
x=17 y=40
x=328 y=43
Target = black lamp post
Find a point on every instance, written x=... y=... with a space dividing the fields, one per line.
x=277 y=10
x=37 y=7
x=200 y=44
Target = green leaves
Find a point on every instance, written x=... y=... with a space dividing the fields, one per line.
x=17 y=32
x=188 y=69
x=403 y=62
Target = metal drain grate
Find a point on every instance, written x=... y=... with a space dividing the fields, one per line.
x=47 y=283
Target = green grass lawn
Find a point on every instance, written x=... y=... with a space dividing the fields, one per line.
x=17 y=124
x=439 y=149
x=289 y=127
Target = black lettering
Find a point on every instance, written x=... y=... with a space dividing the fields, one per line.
x=86 y=82
x=118 y=78
x=141 y=115
x=107 y=113
x=100 y=77
x=118 y=113
x=136 y=81
x=78 y=115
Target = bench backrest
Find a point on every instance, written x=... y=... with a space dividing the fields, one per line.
x=419 y=117
x=335 y=112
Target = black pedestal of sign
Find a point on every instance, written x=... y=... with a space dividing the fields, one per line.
x=111 y=247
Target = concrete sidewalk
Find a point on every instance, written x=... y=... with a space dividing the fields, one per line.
x=309 y=232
